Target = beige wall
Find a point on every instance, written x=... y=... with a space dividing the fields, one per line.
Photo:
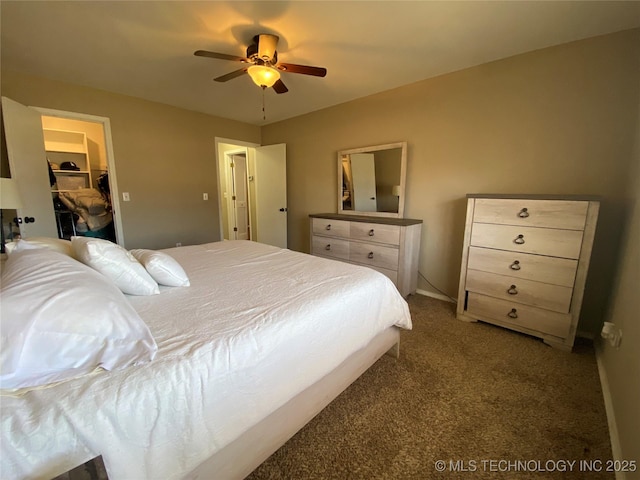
x=164 y=156
x=622 y=365
x=558 y=121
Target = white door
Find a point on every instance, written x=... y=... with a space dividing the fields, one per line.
x=28 y=165
x=363 y=171
x=239 y=198
x=270 y=178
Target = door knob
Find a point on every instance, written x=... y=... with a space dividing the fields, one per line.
x=283 y=209
x=29 y=220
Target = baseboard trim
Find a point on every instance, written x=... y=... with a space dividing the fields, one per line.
x=439 y=296
x=608 y=406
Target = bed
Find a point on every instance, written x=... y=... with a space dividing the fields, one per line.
x=260 y=342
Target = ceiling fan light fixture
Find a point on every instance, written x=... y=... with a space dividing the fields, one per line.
x=263 y=76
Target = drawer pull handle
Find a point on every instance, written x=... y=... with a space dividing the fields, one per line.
x=524 y=213
x=519 y=240
x=328 y=247
x=371 y=232
x=328 y=227
x=370 y=255
x=513 y=313
x=515 y=265
x=512 y=290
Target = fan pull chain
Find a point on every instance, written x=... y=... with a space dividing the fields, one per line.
x=264 y=114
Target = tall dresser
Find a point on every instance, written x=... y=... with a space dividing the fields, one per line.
x=525 y=261
x=388 y=245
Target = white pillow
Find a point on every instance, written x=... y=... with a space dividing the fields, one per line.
x=56 y=244
x=162 y=267
x=114 y=262
x=61 y=319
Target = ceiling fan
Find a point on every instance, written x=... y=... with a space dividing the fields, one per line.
x=263 y=66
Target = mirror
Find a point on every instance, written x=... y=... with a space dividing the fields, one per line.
x=371 y=180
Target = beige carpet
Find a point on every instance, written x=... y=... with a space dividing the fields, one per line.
x=477 y=396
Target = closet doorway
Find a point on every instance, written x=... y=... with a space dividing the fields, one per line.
x=32 y=135
x=100 y=168
x=252 y=192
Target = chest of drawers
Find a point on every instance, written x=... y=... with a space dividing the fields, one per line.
x=525 y=261
x=388 y=245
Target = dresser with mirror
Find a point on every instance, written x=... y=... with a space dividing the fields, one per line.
x=369 y=227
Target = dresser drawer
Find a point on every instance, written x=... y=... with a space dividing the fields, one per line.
x=536 y=294
x=374 y=255
x=510 y=313
x=541 y=241
x=330 y=247
x=375 y=232
x=324 y=226
x=567 y=215
x=557 y=271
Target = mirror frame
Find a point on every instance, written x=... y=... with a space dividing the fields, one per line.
x=403 y=174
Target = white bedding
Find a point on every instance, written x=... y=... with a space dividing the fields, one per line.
x=256 y=327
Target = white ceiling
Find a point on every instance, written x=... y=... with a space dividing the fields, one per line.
x=145 y=48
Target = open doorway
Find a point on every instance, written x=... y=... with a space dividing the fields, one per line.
x=235 y=191
x=252 y=192
x=235 y=196
x=99 y=179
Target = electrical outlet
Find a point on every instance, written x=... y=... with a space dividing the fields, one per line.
x=612 y=333
x=178 y=244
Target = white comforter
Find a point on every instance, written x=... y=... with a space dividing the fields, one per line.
x=257 y=326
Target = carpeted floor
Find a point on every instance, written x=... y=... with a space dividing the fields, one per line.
x=489 y=402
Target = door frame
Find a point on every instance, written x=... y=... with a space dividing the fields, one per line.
x=111 y=163
x=243 y=147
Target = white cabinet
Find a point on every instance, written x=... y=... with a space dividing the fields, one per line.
x=64 y=146
x=388 y=245
x=525 y=261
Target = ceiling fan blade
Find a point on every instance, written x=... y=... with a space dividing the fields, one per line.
x=304 y=69
x=230 y=76
x=220 y=56
x=280 y=87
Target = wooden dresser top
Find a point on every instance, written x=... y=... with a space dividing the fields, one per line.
x=368 y=219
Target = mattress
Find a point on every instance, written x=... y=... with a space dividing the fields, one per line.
x=256 y=327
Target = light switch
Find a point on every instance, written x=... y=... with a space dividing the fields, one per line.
x=125 y=196
x=205 y=196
